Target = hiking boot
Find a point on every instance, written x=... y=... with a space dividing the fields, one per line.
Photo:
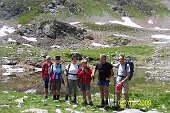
x=58 y=97
x=127 y=106
x=106 y=103
x=54 y=98
x=91 y=103
x=102 y=104
x=85 y=103
x=66 y=97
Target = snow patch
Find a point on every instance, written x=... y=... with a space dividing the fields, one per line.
x=160 y=42
x=127 y=22
x=161 y=29
x=5 y=30
x=11 y=70
x=11 y=40
x=100 y=23
x=30 y=39
x=27 y=45
x=74 y=23
x=150 y=22
x=55 y=46
x=33 y=91
x=160 y=36
x=35 y=110
x=120 y=35
x=99 y=45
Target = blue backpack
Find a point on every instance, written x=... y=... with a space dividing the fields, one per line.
x=131 y=65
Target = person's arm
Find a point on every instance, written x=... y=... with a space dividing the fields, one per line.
x=80 y=73
x=94 y=71
x=42 y=73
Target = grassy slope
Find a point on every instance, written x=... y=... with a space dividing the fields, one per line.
x=90 y=7
x=152 y=93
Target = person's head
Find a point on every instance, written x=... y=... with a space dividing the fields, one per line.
x=57 y=59
x=121 y=59
x=48 y=59
x=103 y=58
x=84 y=63
x=74 y=59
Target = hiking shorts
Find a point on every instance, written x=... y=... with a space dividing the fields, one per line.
x=103 y=83
x=46 y=82
x=84 y=86
x=72 y=86
x=56 y=84
x=125 y=87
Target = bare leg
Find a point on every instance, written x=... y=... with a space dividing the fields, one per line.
x=88 y=94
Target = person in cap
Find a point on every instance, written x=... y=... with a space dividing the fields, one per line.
x=71 y=71
x=45 y=74
x=122 y=80
x=105 y=73
x=84 y=75
x=56 y=77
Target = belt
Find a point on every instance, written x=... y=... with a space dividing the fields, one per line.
x=72 y=74
x=122 y=76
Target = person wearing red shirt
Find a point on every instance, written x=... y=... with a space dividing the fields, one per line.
x=84 y=75
x=45 y=74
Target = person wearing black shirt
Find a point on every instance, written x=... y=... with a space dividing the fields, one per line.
x=105 y=73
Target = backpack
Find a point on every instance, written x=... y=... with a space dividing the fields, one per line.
x=131 y=65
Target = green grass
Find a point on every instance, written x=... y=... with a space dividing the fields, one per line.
x=139 y=90
x=107 y=27
x=135 y=51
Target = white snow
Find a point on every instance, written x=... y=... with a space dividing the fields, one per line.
x=127 y=22
x=33 y=91
x=19 y=25
x=74 y=23
x=55 y=46
x=150 y=22
x=160 y=42
x=160 y=36
x=161 y=29
x=35 y=110
x=100 y=23
x=58 y=111
x=9 y=69
x=27 y=45
x=38 y=69
x=30 y=39
x=99 y=45
x=5 y=30
x=11 y=40
x=120 y=35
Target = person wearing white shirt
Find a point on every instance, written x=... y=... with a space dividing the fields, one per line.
x=123 y=78
x=72 y=78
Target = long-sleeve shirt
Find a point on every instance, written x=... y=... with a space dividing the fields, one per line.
x=85 y=76
x=45 y=69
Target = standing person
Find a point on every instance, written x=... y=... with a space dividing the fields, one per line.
x=56 y=77
x=105 y=73
x=72 y=78
x=45 y=74
x=122 y=79
x=84 y=74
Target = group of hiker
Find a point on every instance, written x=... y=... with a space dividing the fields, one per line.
x=74 y=75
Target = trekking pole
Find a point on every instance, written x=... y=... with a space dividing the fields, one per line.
x=114 y=80
x=36 y=87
